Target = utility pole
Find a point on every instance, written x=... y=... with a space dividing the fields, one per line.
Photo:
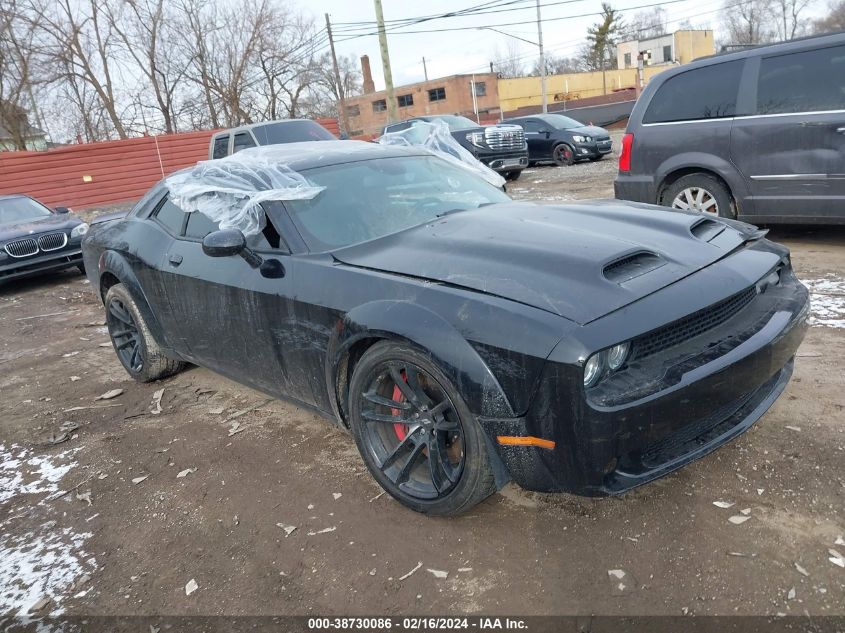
x=341 y=101
x=385 y=62
x=542 y=58
x=425 y=70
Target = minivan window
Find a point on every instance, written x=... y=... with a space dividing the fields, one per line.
x=802 y=82
x=221 y=146
x=243 y=140
x=703 y=93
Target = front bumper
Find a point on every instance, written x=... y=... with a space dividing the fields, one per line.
x=592 y=150
x=710 y=399
x=503 y=161
x=11 y=268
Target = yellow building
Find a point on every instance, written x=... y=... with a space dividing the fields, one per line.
x=680 y=47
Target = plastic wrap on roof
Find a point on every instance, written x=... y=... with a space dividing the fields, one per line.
x=436 y=137
x=230 y=190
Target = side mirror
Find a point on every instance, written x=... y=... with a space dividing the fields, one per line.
x=61 y=210
x=224 y=243
x=228 y=242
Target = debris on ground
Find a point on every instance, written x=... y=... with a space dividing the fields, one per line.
x=40 y=605
x=216 y=410
x=155 y=407
x=185 y=473
x=323 y=531
x=621 y=582
x=138 y=480
x=410 y=573
x=797 y=429
x=337 y=495
x=236 y=428
x=438 y=573
x=836 y=558
x=112 y=393
x=377 y=496
x=75 y=378
x=287 y=528
x=85 y=496
x=739 y=519
x=791 y=594
x=801 y=570
x=723 y=504
x=191 y=587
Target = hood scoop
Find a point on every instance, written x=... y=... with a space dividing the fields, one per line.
x=632 y=266
x=707 y=230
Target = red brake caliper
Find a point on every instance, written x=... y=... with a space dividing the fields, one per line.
x=400 y=429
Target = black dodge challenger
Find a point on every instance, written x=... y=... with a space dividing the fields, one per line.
x=465 y=339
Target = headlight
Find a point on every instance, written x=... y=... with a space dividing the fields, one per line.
x=593 y=369
x=579 y=139
x=476 y=138
x=79 y=231
x=617 y=355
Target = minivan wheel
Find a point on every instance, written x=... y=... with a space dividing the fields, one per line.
x=700 y=192
x=415 y=433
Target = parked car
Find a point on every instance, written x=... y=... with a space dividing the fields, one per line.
x=757 y=134
x=234 y=140
x=501 y=147
x=557 y=138
x=35 y=239
x=463 y=338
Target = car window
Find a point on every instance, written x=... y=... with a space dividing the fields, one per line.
x=221 y=146
x=531 y=125
x=200 y=225
x=456 y=123
x=560 y=122
x=398 y=127
x=802 y=82
x=291 y=132
x=703 y=93
x=391 y=194
x=21 y=209
x=170 y=216
x=243 y=140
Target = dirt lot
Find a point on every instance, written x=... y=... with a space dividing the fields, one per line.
x=119 y=518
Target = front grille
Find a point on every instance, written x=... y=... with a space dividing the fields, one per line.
x=52 y=241
x=22 y=248
x=692 y=325
x=504 y=139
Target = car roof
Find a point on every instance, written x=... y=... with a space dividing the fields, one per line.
x=8 y=196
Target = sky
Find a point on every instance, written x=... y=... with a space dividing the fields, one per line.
x=471 y=49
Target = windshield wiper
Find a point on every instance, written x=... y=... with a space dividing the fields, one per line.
x=451 y=211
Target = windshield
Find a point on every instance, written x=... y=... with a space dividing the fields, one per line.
x=291 y=132
x=457 y=122
x=374 y=198
x=16 y=210
x=560 y=122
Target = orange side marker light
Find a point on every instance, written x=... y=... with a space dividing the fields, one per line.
x=524 y=440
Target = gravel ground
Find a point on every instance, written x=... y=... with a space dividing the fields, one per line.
x=122 y=516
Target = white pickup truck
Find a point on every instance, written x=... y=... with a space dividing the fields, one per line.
x=228 y=142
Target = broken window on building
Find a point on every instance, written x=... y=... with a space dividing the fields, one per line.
x=353 y=110
x=405 y=100
x=380 y=105
x=437 y=94
x=480 y=89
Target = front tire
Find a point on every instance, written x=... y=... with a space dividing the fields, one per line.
x=700 y=192
x=133 y=343
x=512 y=176
x=563 y=155
x=415 y=433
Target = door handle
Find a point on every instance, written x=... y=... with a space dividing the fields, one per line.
x=175 y=259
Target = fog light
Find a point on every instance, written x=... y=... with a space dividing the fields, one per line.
x=617 y=355
x=593 y=369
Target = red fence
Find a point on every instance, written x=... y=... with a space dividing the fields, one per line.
x=97 y=174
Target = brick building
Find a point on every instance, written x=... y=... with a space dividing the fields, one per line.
x=367 y=113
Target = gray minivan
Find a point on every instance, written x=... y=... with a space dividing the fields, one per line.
x=757 y=135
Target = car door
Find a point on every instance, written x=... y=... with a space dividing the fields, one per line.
x=235 y=319
x=791 y=151
x=537 y=137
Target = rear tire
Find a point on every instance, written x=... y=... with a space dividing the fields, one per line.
x=700 y=192
x=394 y=380
x=563 y=155
x=133 y=343
x=511 y=176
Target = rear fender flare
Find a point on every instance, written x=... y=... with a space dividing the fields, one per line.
x=702 y=161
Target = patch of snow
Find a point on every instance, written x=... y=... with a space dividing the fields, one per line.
x=44 y=561
x=827 y=301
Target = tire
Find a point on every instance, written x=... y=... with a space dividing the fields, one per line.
x=563 y=155
x=81 y=268
x=434 y=420
x=512 y=176
x=129 y=332
x=700 y=192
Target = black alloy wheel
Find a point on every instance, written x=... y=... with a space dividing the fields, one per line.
x=563 y=154
x=413 y=431
x=125 y=336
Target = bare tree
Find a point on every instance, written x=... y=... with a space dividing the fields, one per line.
x=557 y=66
x=788 y=18
x=323 y=96
x=17 y=62
x=645 y=24
x=833 y=21
x=509 y=63
x=748 y=23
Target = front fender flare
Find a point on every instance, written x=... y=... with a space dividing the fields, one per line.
x=418 y=325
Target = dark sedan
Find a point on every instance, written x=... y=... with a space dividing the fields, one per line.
x=463 y=338
x=557 y=138
x=35 y=239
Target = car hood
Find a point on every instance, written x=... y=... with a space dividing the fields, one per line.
x=589 y=130
x=48 y=224
x=556 y=258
